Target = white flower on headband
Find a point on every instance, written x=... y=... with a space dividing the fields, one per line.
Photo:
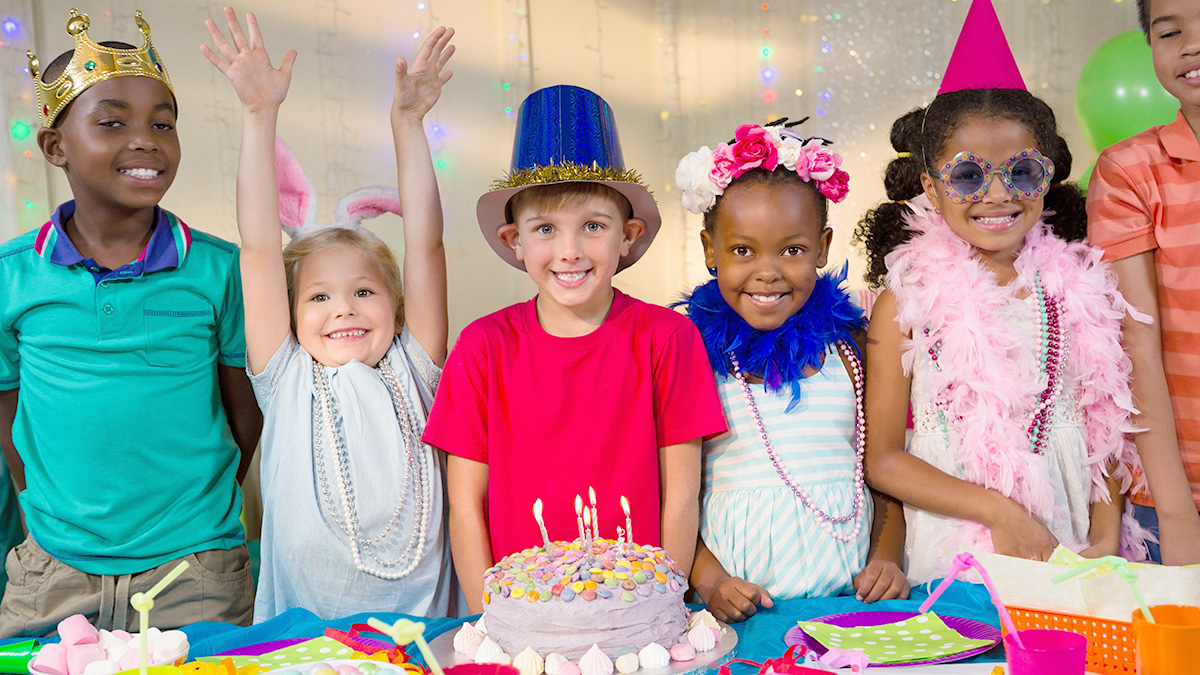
x=703 y=175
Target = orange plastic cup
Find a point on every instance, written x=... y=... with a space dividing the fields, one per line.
x=1168 y=646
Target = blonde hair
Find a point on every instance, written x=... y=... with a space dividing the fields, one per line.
x=558 y=195
x=331 y=237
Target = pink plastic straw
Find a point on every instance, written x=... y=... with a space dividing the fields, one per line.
x=961 y=562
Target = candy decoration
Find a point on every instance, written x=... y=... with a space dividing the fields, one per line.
x=595 y=662
x=627 y=663
x=654 y=656
x=553 y=663
x=683 y=652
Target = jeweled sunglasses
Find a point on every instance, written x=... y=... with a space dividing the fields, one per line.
x=1027 y=175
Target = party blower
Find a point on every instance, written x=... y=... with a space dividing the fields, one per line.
x=405 y=631
x=1033 y=651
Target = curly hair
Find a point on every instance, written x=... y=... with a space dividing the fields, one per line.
x=780 y=176
x=921 y=135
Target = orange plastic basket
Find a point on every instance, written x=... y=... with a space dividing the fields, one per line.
x=1111 y=646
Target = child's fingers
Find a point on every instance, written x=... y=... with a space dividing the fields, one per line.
x=445 y=77
x=256 y=39
x=214 y=59
x=442 y=43
x=425 y=53
x=444 y=57
x=865 y=581
x=235 y=29
x=289 y=59
x=219 y=40
x=764 y=598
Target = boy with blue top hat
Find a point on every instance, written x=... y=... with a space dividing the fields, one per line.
x=127 y=415
x=583 y=385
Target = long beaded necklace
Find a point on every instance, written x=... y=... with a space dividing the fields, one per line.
x=827 y=521
x=1052 y=353
x=416 y=463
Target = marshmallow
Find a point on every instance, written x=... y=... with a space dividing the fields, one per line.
x=129 y=660
x=169 y=646
x=102 y=668
x=76 y=630
x=116 y=650
x=79 y=656
x=121 y=634
x=52 y=659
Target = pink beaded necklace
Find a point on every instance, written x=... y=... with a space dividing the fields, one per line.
x=827 y=521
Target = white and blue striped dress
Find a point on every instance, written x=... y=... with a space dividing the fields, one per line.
x=751 y=521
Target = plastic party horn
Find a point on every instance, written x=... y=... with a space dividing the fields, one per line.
x=404 y=632
x=961 y=562
x=15 y=658
x=1121 y=567
x=144 y=602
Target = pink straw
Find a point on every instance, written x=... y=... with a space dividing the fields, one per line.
x=961 y=562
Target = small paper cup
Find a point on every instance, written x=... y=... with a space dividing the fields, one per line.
x=1168 y=646
x=1046 y=651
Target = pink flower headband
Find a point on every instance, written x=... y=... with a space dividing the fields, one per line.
x=703 y=175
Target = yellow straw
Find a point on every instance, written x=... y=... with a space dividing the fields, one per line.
x=144 y=602
x=1121 y=567
x=404 y=632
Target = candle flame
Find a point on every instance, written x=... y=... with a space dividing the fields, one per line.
x=537 y=510
x=578 y=505
x=591 y=495
x=587 y=518
x=625 y=505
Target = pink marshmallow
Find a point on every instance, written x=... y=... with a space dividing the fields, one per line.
x=78 y=656
x=52 y=660
x=75 y=630
x=116 y=650
x=124 y=635
x=130 y=660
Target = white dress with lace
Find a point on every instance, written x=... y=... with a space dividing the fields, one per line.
x=931 y=542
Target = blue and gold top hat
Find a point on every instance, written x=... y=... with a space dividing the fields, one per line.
x=566 y=134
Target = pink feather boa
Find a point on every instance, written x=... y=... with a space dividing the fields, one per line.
x=989 y=380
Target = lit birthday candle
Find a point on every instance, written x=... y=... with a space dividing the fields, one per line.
x=579 y=519
x=537 y=515
x=595 y=520
x=587 y=528
x=628 y=522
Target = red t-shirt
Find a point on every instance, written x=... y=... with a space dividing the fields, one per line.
x=552 y=416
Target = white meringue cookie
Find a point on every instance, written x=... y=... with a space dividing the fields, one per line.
x=553 y=661
x=595 y=662
x=654 y=656
x=701 y=638
x=529 y=662
x=463 y=636
x=702 y=616
x=488 y=651
x=480 y=625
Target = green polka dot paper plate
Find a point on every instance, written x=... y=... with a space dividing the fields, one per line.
x=897 y=638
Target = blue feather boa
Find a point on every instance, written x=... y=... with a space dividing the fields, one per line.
x=778 y=356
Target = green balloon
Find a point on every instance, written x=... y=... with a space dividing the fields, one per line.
x=1118 y=94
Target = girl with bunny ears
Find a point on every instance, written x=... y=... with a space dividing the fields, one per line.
x=353 y=504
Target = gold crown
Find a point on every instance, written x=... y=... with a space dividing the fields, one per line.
x=92 y=63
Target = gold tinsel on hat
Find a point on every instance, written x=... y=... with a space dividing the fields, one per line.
x=564 y=172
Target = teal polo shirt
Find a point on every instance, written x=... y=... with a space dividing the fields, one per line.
x=129 y=460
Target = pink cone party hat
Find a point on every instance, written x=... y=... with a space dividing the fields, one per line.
x=981 y=58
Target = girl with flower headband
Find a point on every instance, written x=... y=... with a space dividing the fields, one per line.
x=344 y=367
x=785 y=510
x=999 y=325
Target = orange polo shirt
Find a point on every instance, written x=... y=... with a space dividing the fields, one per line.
x=1145 y=196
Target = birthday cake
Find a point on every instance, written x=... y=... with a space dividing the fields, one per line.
x=561 y=609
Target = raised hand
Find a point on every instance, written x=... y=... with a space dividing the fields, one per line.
x=258 y=84
x=419 y=86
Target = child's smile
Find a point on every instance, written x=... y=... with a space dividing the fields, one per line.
x=767 y=245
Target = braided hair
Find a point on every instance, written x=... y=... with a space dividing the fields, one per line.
x=920 y=136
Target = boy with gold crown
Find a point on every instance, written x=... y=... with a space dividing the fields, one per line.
x=583 y=385
x=128 y=417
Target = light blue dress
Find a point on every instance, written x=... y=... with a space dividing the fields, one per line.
x=752 y=521
x=306 y=556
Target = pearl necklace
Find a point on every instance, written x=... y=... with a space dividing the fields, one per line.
x=325 y=416
x=827 y=521
x=1052 y=354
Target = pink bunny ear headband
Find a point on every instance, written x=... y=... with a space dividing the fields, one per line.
x=298 y=199
x=703 y=175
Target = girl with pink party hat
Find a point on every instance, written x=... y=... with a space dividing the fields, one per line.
x=999 y=325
